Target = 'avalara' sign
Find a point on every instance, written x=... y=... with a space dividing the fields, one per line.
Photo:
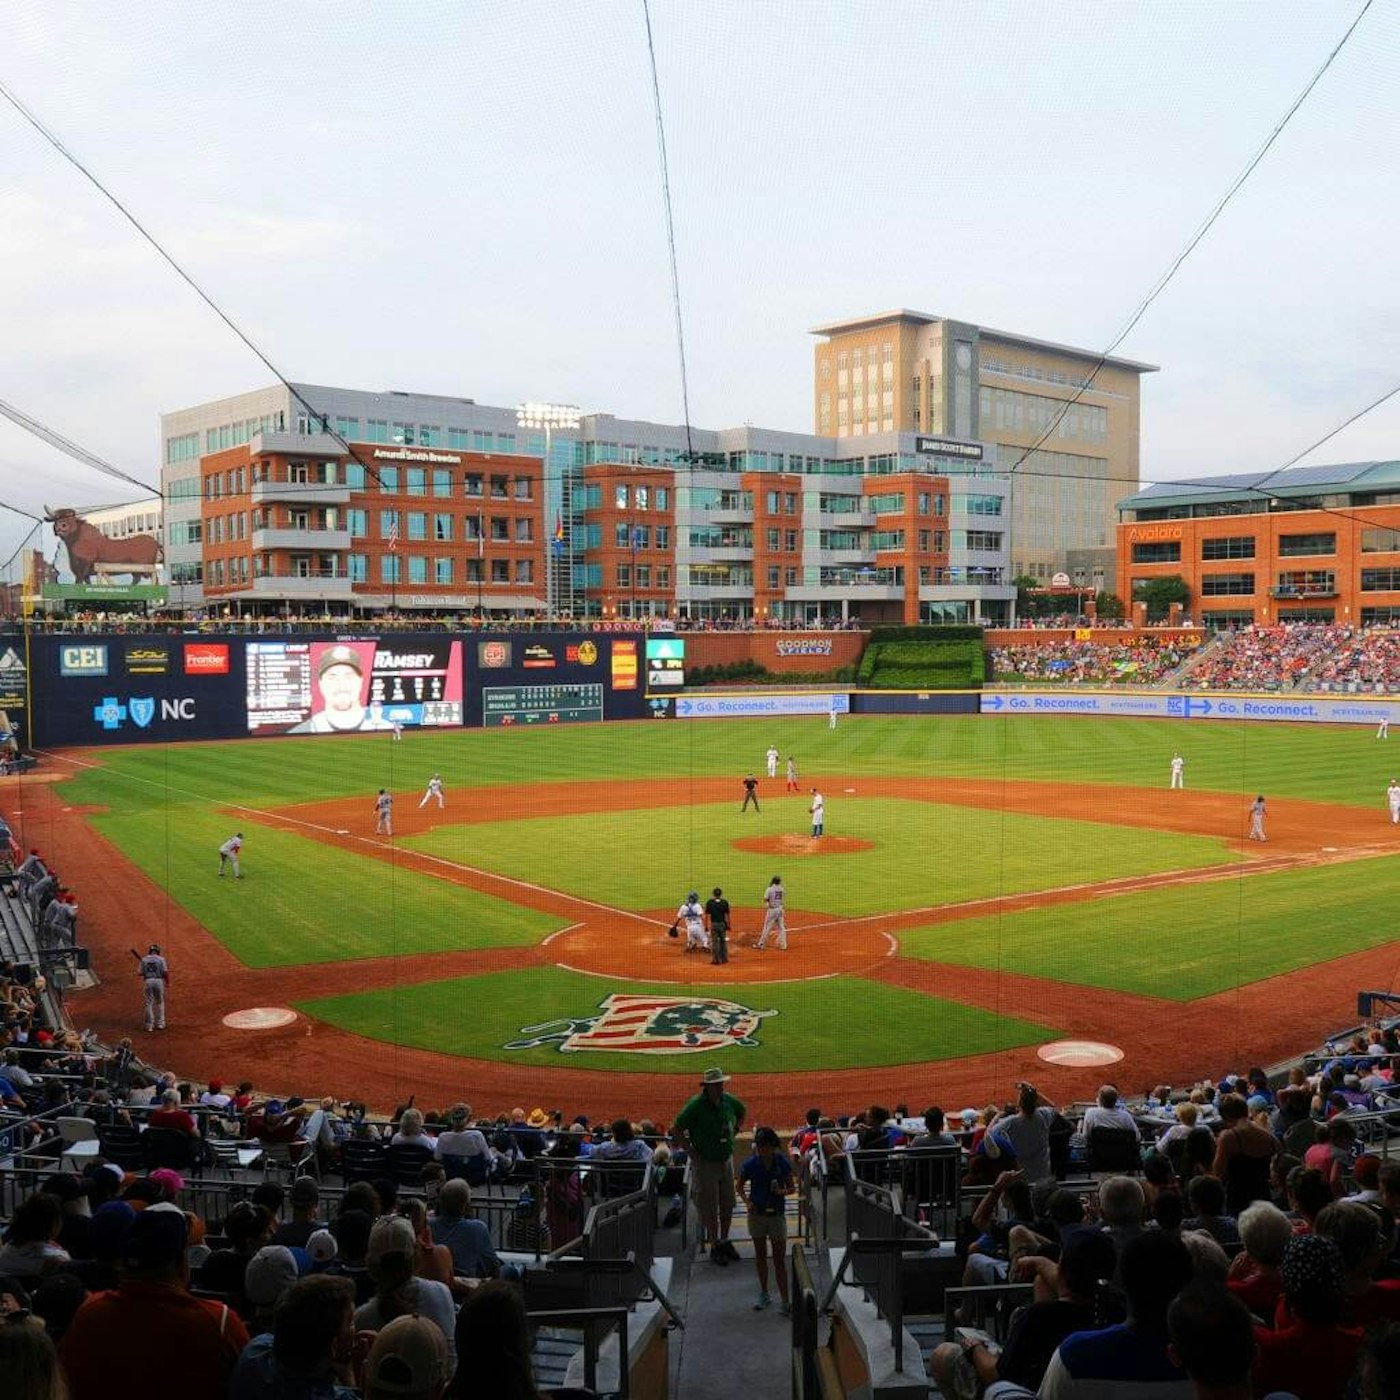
x=1144 y=534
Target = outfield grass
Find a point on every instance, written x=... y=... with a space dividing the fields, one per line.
x=924 y=853
x=1187 y=941
x=304 y=902
x=1321 y=762
x=478 y=1016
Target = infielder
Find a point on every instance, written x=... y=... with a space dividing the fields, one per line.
x=1256 y=820
x=772 y=761
x=434 y=790
x=1392 y=798
x=154 y=972
x=1383 y=728
x=228 y=855
x=692 y=914
x=791 y=774
x=384 y=813
x=773 y=917
x=818 y=810
x=1178 y=771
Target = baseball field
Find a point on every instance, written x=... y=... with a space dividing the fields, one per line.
x=986 y=886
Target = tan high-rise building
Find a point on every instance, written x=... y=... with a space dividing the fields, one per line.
x=906 y=371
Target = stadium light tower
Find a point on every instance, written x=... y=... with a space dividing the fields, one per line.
x=549 y=416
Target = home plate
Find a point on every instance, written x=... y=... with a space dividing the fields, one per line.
x=1079 y=1054
x=260 y=1018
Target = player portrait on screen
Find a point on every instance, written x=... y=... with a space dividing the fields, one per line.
x=340 y=682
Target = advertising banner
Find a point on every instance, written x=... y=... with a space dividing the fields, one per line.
x=759 y=706
x=1292 y=709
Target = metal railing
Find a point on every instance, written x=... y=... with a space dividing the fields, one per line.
x=595 y=1324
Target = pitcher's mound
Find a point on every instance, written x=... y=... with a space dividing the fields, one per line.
x=790 y=844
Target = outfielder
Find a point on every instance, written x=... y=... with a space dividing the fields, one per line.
x=1256 y=819
x=831 y=722
x=1178 y=771
x=228 y=855
x=1392 y=798
x=1383 y=728
x=434 y=790
x=155 y=976
x=692 y=914
x=384 y=813
x=773 y=917
x=772 y=760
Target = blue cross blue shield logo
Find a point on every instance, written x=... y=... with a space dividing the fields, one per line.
x=143 y=710
x=110 y=713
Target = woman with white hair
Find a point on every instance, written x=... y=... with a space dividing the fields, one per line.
x=411 y=1131
x=1255 y=1276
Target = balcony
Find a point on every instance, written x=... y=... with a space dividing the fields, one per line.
x=874 y=592
x=322 y=541
x=837 y=558
x=846 y=519
x=1296 y=592
x=306 y=493
x=323 y=588
x=700 y=592
x=721 y=554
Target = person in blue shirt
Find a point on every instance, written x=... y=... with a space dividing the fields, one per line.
x=765 y=1182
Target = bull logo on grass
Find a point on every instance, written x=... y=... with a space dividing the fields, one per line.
x=650 y=1025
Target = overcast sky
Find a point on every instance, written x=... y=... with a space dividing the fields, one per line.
x=465 y=198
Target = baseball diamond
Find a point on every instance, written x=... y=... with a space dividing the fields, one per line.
x=985 y=885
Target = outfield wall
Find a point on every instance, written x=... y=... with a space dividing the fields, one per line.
x=783 y=653
x=1216 y=705
x=158 y=688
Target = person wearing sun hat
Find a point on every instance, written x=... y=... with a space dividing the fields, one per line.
x=408 y=1361
x=707 y=1127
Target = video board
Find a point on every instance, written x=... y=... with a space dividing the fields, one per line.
x=352 y=686
x=665 y=663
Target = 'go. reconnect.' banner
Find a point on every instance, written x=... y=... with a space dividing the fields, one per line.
x=1291 y=709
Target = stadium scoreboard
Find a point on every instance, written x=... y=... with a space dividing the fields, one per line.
x=665 y=663
x=541 y=704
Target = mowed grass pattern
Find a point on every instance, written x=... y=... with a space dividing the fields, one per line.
x=1184 y=942
x=478 y=1016
x=924 y=854
x=304 y=902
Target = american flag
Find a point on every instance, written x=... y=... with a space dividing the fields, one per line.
x=393 y=535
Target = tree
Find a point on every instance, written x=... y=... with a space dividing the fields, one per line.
x=1160 y=593
x=1027 y=605
x=1109 y=607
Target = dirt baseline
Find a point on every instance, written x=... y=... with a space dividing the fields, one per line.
x=1161 y=1040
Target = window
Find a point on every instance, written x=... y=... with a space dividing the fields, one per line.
x=389 y=568
x=402 y=432
x=417 y=568
x=643 y=575
x=500 y=571
x=457 y=437
x=624 y=575
x=388 y=520
x=641 y=537
x=773 y=537
x=355 y=476
x=892 y=503
x=887 y=539
x=474 y=568
x=772 y=499
x=522 y=529
x=983 y=539
x=1292 y=546
x=620 y=498
x=442 y=483
x=524 y=571
x=429 y=435
x=938 y=505
x=500 y=488
x=1380 y=541
x=642 y=497
x=416 y=481
x=663 y=575
x=663 y=498
x=789 y=503
x=500 y=530
x=524 y=488
x=663 y=537
x=348 y=428
x=377 y=430
x=1228 y=547
x=773 y=574
x=442 y=526
x=389 y=479
x=790 y=540
x=1380 y=580
x=1302 y=582
x=789 y=578
x=471 y=527
x=1227 y=585
x=1157 y=552
x=978 y=505
x=471 y=484
x=442 y=571
x=418 y=525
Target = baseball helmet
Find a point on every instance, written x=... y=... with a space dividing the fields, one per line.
x=154 y=948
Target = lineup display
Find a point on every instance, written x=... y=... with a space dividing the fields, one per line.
x=504 y=705
x=665 y=663
x=344 y=687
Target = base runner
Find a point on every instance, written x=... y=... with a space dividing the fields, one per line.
x=773 y=918
x=154 y=972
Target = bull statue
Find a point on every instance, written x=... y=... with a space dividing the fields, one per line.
x=93 y=554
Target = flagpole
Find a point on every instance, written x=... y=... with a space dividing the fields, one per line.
x=480 y=567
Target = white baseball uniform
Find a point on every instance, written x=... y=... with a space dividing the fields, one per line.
x=434 y=790
x=1256 y=821
x=818 y=813
x=1178 y=772
x=773 y=919
x=772 y=763
x=228 y=855
x=1383 y=728
x=1392 y=797
x=692 y=915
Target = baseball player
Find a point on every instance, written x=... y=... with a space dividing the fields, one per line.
x=1383 y=728
x=773 y=916
x=791 y=774
x=692 y=915
x=831 y=714
x=398 y=730
x=1256 y=819
x=228 y=855
x=1392 y=798
x=154 y=972
x=1178 y=771
x=772 y=757
x=750 y=794
x=384 y=813
x=434 y=790
x=818 y=810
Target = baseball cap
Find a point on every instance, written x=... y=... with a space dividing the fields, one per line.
x=392 y=1234
x=340 y=656
x=321 y=1248
x=274 y=1106
x=216 y=1086
x=270 y=1273
x=110 y=1223
x=156 y=1237
x=408 y=1359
